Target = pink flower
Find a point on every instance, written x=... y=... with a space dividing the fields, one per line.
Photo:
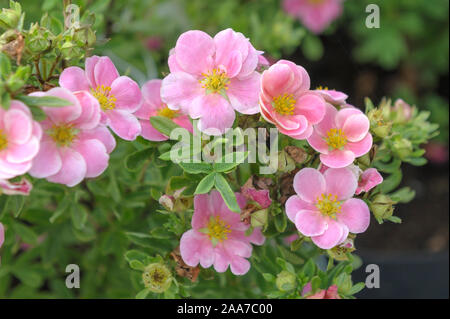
x=368 y=180
x=403 y=109
x=74 y=145
x=212 y=77
x=19 y=140
x=152 y=106
x=119 y=96
x=436 y=152
x=316 y=15
x=324 y=209
x=18 y=188
x=332 y=96
x=261 y=197
x=2 y=235
x=218 y=236
x=154 y=43
x=341 y=136
x=330 y=293
x=287 y=102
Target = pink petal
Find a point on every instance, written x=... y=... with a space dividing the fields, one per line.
x=294 y=205
x=47 y=162
x=356 y=127
x=19 y=153
x=194 y=51
x=124 y=124
x=360 y=148
x=89 y=69
x=102 y=134
x=338 y=158
x=105 y=72
x=95 y=156
x=277 y=79
x=2 y=235
x=184 y=121
x=318 y=143
x=179 y=89
x=355 y=214
x=331 y=237
x=341 y=182
x=150 y=133
x=309 y=184
x=74 y=79
x=311 y=106
x=215 y=113
x=151 y=95
x=327 y=122
x=65 y=114
x=344 y=114
x=18 y=126
x=196 y=248
x=127 y=93
x=310 y=223
x=256 y=237
x=243 y=94
x=231 y=50
x=368 y=180
x=90 y=111
x=202 y=211
x=73 y=168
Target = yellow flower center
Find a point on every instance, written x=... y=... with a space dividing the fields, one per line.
x=215 y=81
x=3 y=141
x=336 y=138
x=218 y=230
x=322 y=88
x=166 y=112
x=328 y=205
x=105 y=98
x=63 y=135
x=284 y=104
x=316 y=2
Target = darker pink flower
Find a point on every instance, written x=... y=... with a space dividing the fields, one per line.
x=73 y=145
x=368 y=180
x=15 y=188
x=211 y=78
x=19 y=140
x=341 y=136
x=332 y=96
x=118 y=96
x=218 y=236
x=316 y=15
x=330 y=293
x=152 y=106
x=261 y=197
x=287 y=101
x=323 y=207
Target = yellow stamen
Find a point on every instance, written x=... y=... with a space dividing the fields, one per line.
x=63 y=135
x=3 y=141
x=166 y=112
x=328 y=205
x=284 y=104
x=105 y=98
x=323 y=88
x=336 y=138
x=215 y=81
x=218 y=230
x=316 y=2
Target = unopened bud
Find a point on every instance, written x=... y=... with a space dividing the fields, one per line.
x=71 y=51
x=85 y=37
x=402 y=148
x=285 y=163
x=259 y=218
x=286 y=281
x=382 y=207
x=10 y=18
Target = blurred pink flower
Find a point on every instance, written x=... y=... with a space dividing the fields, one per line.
x=403 y=109
x=154 y=43
x=341 y=136
x=73 y=146
x=218 y=236
x=119 y=96
x=152 y=105
x=436 y=152
x=287 y=102
x=323 y=207
x=17 y=188
x=330 y=293
x=316 y=15
x=212 y=77
x=19 y=140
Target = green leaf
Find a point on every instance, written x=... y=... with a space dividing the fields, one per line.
x=395 y=219
x=227 y=193
x=142 y=294
x=196 y=168
x=312 y=47
x=403 y=195
x=280 y=222
x=356 y=288
x=79 y=216
x=164 y=125
x=205 y=184
x=47 y=101
x=230 y=161
x=26 y=233
x=269 y=277
x=5 y=65
x=391 y=182
x=137 y=265
x=134 y=161
x=309 y=268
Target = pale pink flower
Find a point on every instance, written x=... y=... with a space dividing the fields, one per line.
x=323 y=207
x=368 y=180
x=316 y=15
x=218 y=236
x=19 y=140
x=152 y=105
x=119 y=96
x=287 y=101
x=74 y=145
x=332 y=96
x=330 y=293
x=403 y=109
x=23 y=187
x=212 y=77
x=341 y=136
x=2 y=235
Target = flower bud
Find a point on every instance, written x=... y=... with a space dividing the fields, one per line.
x=286 y=163
x=286 y=281
x=71 y=51
x=259 y=218
x=382 y=207
x=157 y=277
x=85 y=37
x=402 y=111
x=379 y=125
x=38 y=39
x=10 y=18
x=18 y=188
x=402 y=148
x=340 y=252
